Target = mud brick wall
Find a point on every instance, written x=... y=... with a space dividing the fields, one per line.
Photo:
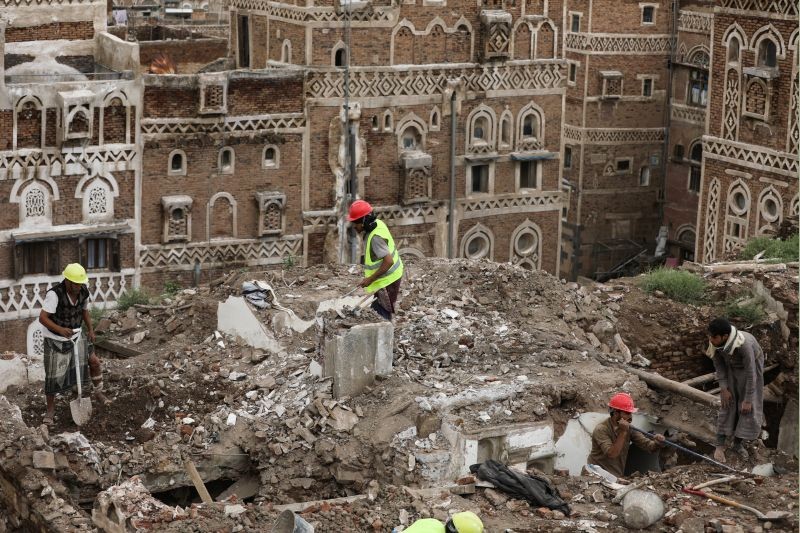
x=188 y=55
x=72 y=31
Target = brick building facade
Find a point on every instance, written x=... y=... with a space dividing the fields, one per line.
x=580 y=128
x=69 y=160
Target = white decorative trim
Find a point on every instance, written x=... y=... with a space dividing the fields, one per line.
x=695 y=22
x=731 y=104
x=435 y=119
x=42 y=164
x=776 y=7
x=768 y=32
x=486 y=112
x=508 y=204
x=223 y=125
x=226 y=169
x=411 y=120
x=42 y=119
x=607 y=136
x=273 y=163
x=767 y=222
x=436 y=21
x=210 y=206
x=537 y=141
x=388 y=82
x=320 y=16
x=736 y=217
x=251 y=252
x=35 y=337
x=506 y=118
x=614 y=43
x=750 y=156
x=286 y=51
x=689 y=113
x=24 y=298
x=712 y=214
x=83 y=191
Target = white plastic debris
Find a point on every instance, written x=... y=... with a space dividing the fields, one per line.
x=149 y=423
x=231 y=420
x=449 y=313
x=188 y=421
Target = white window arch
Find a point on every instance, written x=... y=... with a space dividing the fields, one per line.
x=530 y=124
x=436 y=118
x=737 y=214
x=231 y=201
x=339 y=55
x=770 y=211
x=794 y=210
x=286 y=51
x=227 y=160
x=478 y=243
x=271 y=157
x=506 y=136
x=388 y=120
x=734 y=49
x=35 y=205
x=176 y=163
x=411 y=133
x=98 y=201
x=526 y=246
x=481 y=130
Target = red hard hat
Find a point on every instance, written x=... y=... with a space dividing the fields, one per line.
x=359 y=209
x=622 y=401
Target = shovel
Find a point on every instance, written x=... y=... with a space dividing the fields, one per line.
x=81 y=408
x=772 y=516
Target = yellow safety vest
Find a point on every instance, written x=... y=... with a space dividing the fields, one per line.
x=426 y=525
x=370 y=266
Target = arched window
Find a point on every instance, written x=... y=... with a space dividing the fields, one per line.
x=340 y=57
x=733 y=50
x=374 y=122
x=480 y=130
x=98 y=201
x=478 y=243
x=505 y=130
x=286 y=51
x=644 y=177
x=271 y=157
x=226 y=161
x=388 y=120
x=697 y=152
x=411 y=139
x=435 y=119
x=767 y=54
x=177 y=163
x=35 y=205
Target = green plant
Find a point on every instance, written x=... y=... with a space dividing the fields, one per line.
x=171 y=288
x=678 y=285
x=289 y=262
x=773 y=248
x=747 y=309
x=132 y=297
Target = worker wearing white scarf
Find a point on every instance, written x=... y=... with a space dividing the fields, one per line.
x=739 y=363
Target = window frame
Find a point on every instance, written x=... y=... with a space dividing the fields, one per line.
x=645 y=172
x=567 y=157
x=537 y=175
x=619 y=160
x=645 y=92
x=180 y=171
x=489 y=178
x=229 y=168
x=274 y=162
x=702 y=82
x=573 y=16
x=654 y=12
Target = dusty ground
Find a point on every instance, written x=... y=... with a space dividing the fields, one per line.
x=461 y=325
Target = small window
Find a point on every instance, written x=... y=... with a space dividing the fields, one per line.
x=677 y=152
x=340 y=58
x=694 y=179
x=697 y=152
x=733 y=50
x=528 y=178
x=505 y=131
x=479 y=178
x=375 y=122
x=271 y=157
x=567 y=157
x=647 y=87
x=530 y=126
x=435 y=119
x=478 y=246
x=176 y=165
x=97 y=253
x=648 y=15
x=286 y=51
x=576 y=23
x=767 y=54
x=226 y=160
x=387 y=121
x=573 y=72
x=698 y=88
x=35 y=257
x=480 y=129
x=623 y=166
x=644 y=177
x=411 y=139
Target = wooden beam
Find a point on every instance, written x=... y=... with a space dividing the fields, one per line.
x=119 y=349
x=660 y=382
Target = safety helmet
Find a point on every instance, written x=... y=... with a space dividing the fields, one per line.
x=466 y=522
x=359 y=209
x=76 y=274
x=622 y=401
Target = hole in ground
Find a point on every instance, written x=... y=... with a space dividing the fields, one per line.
x=187 y=494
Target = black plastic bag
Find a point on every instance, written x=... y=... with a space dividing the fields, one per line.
x=520 y=485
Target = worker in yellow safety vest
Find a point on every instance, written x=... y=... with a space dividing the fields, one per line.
x=383 y=267
x=466 y=522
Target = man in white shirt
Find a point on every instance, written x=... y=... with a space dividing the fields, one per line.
x=65 y=310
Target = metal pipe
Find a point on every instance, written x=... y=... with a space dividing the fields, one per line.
x=451 y=223
x=686 y=450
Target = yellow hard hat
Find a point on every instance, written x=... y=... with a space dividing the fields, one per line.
x=467 y=522
x=76 y=274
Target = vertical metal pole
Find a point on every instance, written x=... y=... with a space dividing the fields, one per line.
x=451 y=223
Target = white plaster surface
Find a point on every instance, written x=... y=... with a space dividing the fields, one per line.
x=21 y=371
x=356 y=356
x=235 y=317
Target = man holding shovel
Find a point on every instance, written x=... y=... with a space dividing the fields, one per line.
x=64 y=310
x=739 y=363
x=383 y=267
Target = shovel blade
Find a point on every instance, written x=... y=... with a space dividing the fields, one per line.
x=81 y=410
x=775 y=516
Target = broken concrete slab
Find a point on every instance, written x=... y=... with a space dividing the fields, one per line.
x=355 y=356
x=44 y=460
x=235 y=317
x=243 y=488
x=342 y=420
x=21 y=370
x=130 y=505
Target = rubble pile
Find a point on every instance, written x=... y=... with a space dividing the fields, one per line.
x=477 y=346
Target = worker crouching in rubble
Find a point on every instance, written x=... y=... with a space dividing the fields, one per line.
x=739 y=363
x=383 y=268
x=611 y=439
x=466 y=522
x=65 y=309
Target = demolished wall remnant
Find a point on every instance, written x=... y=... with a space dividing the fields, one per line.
x=354 y=357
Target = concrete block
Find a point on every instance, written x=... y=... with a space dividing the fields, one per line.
x=355 y=357
x=235 y=317
x=22 y=370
